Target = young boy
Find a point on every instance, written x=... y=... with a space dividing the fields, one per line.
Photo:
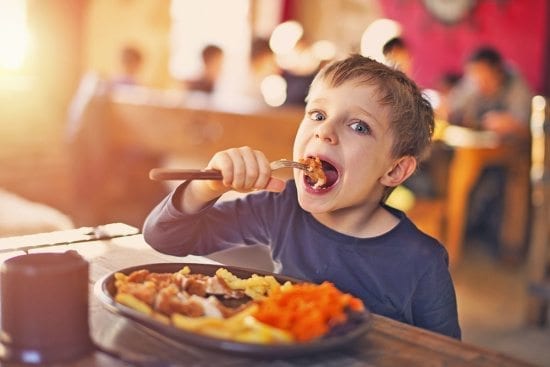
x=369 y=125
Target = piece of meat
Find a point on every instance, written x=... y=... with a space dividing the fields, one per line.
x=163 y=301
x=145 y=292
x=315 y=171
x=217 y=286
x=196 y=286
x=138 y=276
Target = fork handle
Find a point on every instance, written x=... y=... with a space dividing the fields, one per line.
x=167 y=174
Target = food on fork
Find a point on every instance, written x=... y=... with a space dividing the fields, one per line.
x=254 y=310
x=314 y=171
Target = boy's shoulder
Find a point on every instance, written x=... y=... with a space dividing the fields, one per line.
x=414 y=240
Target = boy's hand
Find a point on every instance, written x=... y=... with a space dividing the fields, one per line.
x=243 y=169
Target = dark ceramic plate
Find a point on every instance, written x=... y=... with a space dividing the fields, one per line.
x=342 y=336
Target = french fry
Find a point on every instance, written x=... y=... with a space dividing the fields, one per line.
x=185 y=270
x=239 y=317
x=266 y=332
x=134 y=303
x=161 y=318
x=241 y=327
x=195 y=323
x=121 y=276
x=256 y=287
x=204 y=325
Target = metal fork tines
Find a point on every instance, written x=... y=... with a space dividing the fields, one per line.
x=285 y=163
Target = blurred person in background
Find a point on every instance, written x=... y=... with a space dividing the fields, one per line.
x=397 y=54
x=212 y=60
x=444 y=86
x=492 y=96
x=131 y=61
x=93 y=84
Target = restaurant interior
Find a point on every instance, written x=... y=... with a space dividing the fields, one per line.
x=96 y=93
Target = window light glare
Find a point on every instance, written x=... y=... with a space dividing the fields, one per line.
x=273 y=89
x=14 y=35
x=285 y=36
x=538 y=103
x=324 y=50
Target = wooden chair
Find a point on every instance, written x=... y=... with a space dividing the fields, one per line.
x=538 y=261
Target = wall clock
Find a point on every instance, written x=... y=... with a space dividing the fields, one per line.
x=449 y=11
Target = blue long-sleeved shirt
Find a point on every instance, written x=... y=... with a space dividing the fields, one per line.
x=402 y=274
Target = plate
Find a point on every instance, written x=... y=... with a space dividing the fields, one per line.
x=341 y=336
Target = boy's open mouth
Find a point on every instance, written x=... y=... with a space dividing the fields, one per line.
x=331 y=177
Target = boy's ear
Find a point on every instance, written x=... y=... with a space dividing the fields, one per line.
x=402 y=169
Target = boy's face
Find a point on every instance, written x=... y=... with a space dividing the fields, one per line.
x=349 y=131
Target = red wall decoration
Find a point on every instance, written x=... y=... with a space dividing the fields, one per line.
x=517 y=28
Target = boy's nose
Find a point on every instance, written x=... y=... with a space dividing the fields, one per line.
x=326 y=133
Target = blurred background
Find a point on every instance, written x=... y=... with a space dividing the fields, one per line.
x=95 y=93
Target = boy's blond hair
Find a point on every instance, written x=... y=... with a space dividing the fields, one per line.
x=411 y=115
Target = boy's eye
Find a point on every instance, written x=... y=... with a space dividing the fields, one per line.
x=316 y=116
x=360 y=127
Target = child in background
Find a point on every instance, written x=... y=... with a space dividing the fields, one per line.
x=369 y=125
x=212 y=62
x=131 y=61
x=397 y=54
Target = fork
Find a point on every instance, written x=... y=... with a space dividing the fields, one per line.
x=166 y=174
x=285 y=163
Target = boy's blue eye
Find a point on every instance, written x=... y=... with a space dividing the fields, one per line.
x=317 y=116
x=360 y=127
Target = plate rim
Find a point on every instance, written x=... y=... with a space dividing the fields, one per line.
x=102 y=293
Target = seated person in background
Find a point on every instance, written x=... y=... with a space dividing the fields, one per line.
x=397 y=54
x=445 y=85
x=92 y=84
x=448 y=82
x=493 y=97
x=212 y=62
x=131 y=60
x=358 y=119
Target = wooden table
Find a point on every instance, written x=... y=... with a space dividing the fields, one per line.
x=387 y=343
x=473 y=152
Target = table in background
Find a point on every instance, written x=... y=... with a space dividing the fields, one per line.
x=473 y=152
x=387 y=343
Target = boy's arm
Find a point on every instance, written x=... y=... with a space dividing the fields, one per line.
x=165 y=227
x=243 y=169
x=219 y=225
x=185 y=221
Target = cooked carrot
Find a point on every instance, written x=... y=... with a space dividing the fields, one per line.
x=307 y=310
